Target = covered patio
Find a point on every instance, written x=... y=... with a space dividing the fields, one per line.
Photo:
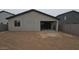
x=49 y=25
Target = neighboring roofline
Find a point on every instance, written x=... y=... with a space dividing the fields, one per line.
x=67 y=13
x=30 y=11
x=7 y=12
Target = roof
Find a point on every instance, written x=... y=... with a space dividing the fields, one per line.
x=30 y=11
x=7 y=12
x=68 y=12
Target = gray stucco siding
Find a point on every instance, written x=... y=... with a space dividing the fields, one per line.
x=29 y=21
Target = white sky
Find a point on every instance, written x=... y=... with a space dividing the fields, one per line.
x=53 y=12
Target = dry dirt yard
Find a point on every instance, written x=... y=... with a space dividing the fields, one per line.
x=38 y=41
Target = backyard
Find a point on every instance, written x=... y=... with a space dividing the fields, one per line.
x=38 y=41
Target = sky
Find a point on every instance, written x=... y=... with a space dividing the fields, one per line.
x=53 y=12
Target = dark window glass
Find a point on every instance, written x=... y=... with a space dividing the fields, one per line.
x=17 y=23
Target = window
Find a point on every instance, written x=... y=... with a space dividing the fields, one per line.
x=65 y=18
x=17 y=23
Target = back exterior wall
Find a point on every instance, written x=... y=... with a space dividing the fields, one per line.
x=29 y=21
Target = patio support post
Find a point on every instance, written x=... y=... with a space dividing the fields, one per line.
x=57 y=26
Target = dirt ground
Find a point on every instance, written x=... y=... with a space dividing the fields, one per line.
x=38 y=41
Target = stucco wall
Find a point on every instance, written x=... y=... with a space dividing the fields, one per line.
x=71 y=28
x=3 y=27
x=29 y=22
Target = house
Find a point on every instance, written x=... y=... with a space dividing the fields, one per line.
x=3 y=21
x=32 y=20
x=69 y=22
x=71 y=17
x=3 y=16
